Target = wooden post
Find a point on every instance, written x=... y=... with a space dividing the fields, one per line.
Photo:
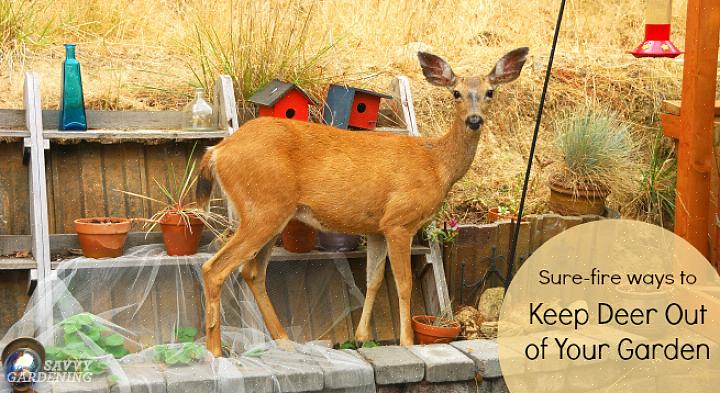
x=696 y=124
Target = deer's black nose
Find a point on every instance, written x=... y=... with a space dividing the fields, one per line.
x=474 y=122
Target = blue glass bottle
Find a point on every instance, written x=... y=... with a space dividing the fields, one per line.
x=72 y=103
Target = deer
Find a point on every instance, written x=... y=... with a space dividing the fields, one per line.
x=384 y=186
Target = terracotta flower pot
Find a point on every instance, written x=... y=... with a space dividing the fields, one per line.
x=179 y=237
x=569 y=202
x=102 y=237
x=494 y=215
x=298 y=237
x=338 y=241
x=426 y=333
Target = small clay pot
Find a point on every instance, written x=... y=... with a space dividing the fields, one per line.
x=338 y=241
x=494 y=215
x=426 y=333
x=299 y=237
x=569 y=202
x=181 y=236
x=102 y=237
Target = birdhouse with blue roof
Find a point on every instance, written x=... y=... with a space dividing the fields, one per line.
x=347 y=107
x=283 y=100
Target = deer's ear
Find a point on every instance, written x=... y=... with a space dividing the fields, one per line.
x=436 y=70
x=508 y=68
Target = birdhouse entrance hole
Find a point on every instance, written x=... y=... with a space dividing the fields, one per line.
x=361 y=107
x=290 y=113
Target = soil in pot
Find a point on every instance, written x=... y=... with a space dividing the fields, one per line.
x=102 y=237
x=181 y=233
x=566 y=201
x=426 y=333
x=338 y=241
x=299 y=237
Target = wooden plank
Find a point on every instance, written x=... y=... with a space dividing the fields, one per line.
x=671 y=125
x=672 y=107
x=225 y=102
x=341 y=308
x=552 y=225
x=434 y=258
x=113 y=172
x=298 y=303
x=13 y=299
x=13 y=191
x=67 y=187
x=277 y=291
x=320 y=277
x=133 y=160
x=92 y=180
x=382 y=312
x=121 y=120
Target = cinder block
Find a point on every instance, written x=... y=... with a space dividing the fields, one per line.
x=245 y=375
x=444 y=363
x=292 y=371
x=341 y=369
x=96 y=385
x=195 y=378
x=394 y=365
x=140 y=378
x=485 y=355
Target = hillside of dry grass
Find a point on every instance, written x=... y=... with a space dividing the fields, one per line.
x=144 y=54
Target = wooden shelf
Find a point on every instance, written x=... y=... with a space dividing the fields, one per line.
x=118 y=136
x=279 y=255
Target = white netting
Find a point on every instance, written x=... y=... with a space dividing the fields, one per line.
x=140 y=317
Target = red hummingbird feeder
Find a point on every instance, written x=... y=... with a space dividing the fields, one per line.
x=657 y=42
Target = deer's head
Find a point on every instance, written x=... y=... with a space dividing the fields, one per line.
x=472 y=94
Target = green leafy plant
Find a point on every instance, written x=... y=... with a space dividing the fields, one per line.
x=598 y=153
x=86 y=339
x=445 y=234
x=655 y=197
x=184 y=352
x=354 y=345
x=504 y=210
x=177 y=201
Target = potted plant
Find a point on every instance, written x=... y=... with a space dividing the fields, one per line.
x=435 y=330
x=299 y=237
x=181 y=221
x=597 y=159
x=501 y=212
x=102 y=237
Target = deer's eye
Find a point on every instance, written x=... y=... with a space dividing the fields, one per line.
x=489 y=94
x=457 y=94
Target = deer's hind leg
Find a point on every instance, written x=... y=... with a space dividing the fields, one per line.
x=249 y=240
x=254 y=275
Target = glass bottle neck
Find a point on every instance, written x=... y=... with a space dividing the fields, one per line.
x=69 y=51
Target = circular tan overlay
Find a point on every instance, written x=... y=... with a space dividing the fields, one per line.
x=576 y=319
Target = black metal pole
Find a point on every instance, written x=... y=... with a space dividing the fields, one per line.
x=516 y=231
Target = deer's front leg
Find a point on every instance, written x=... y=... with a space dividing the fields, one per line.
x=376 y=256
x=399 y=244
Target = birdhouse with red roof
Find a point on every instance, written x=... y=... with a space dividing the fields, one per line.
x=352 y=107
x=283 y=100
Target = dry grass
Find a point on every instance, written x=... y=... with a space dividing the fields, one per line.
x=144 y=54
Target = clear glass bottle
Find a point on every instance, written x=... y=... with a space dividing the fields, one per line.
x=72 y=103
x=199 y=115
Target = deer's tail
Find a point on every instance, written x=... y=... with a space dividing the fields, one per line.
x=204 y=186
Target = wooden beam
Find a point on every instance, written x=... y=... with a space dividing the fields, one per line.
x=673 y=107
x=696 y=123
x=671 y=125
